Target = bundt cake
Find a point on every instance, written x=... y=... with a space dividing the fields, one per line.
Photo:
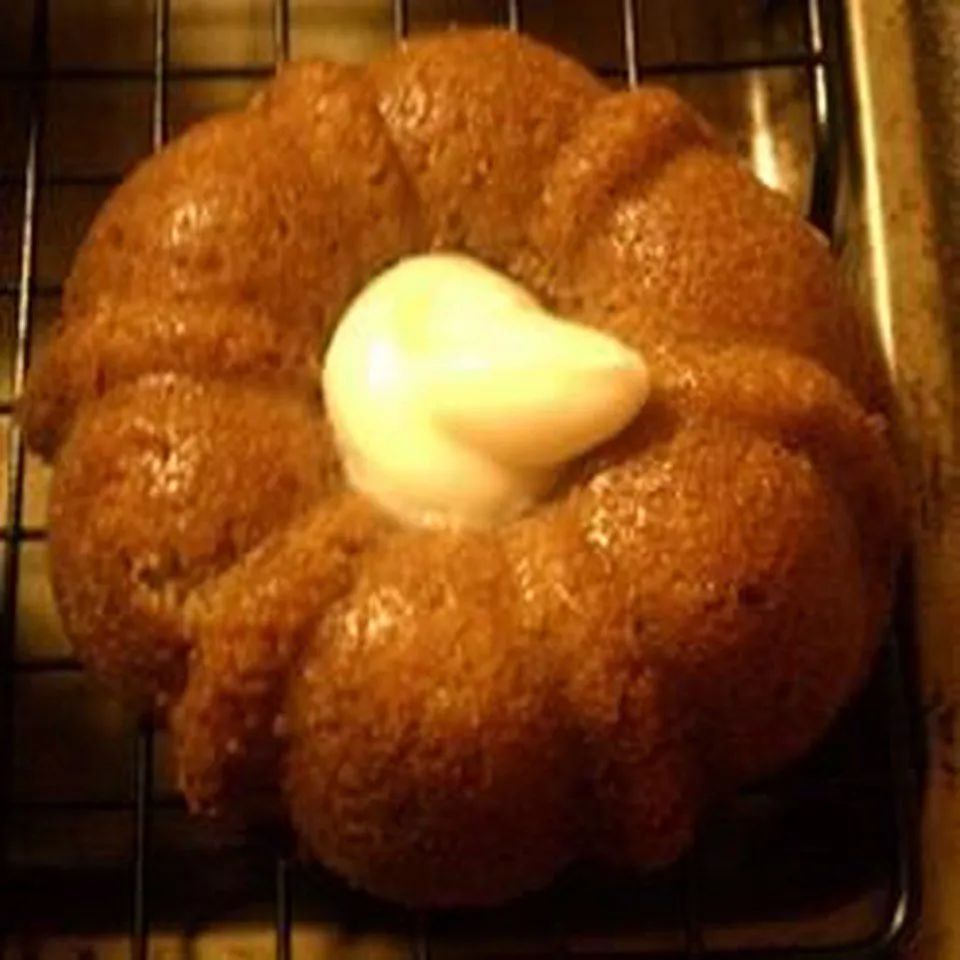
x=450 y=712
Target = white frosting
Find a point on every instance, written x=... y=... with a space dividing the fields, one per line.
x=455 y=399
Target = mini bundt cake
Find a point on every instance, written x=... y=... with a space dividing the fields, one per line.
x=448 y=713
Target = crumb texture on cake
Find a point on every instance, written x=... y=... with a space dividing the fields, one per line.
x=451 y=717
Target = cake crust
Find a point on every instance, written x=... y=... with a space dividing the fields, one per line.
x=450 y=717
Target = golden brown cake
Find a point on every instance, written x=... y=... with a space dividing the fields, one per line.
x=450 y=716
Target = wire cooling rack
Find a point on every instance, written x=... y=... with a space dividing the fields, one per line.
x=818 y=864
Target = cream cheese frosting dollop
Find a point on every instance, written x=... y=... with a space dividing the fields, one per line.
x=456 y=399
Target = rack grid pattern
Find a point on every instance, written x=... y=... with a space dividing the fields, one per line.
x=892 y=777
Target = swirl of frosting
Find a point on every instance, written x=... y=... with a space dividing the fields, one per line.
x=456 y=399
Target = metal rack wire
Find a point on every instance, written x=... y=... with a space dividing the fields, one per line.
x=822 y=60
